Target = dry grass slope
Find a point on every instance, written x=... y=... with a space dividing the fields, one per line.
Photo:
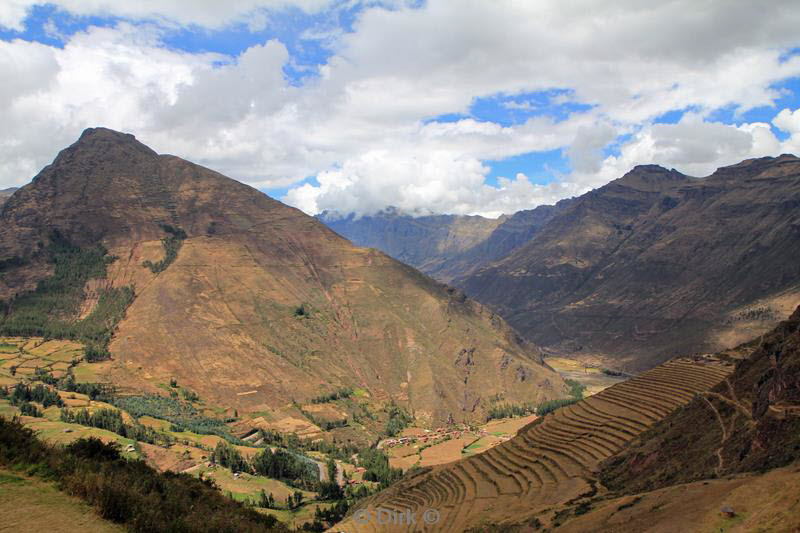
x=550 y=462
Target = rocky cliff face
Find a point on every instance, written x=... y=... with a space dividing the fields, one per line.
x=657 y=263
x=258 y=305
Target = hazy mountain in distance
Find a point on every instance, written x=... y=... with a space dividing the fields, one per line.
x=443 y=246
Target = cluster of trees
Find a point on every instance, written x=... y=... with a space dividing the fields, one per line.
x=342 y=393
x=576 y=388
x=266 y=501
x=398 y=420
x=29 y=409
x=229 y=457
x=182 y=415
x=376 y=465
x=292 y=468
x=39 y=393
x=342 y=451
x=111 y=420
x=171 y=243
x=507 y=410
x=95 y=391
x=328 y=425
x=504 y=410
x=130 y=492
x=294 y=500
x=551 y=405
x=50 y=310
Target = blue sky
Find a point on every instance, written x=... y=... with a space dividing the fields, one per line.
x=356 y=105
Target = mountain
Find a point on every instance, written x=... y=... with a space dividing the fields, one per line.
x=442 y=246
x=656 y=263
x=664 y=451
x=749 y=422
x=5 y=194
x=247 y=302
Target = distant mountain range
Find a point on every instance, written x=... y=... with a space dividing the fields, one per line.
x=653 y=264
x=250 y=303
x=443 y=246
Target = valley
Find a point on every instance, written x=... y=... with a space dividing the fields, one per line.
x=180 y=432
x=652 y=265
x=399 y=266
x=243 y=345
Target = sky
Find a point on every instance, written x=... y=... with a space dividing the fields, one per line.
x=465 y=107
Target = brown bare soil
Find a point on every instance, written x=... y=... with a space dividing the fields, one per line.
x=445 y=452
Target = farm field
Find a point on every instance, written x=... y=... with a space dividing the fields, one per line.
x=551 y=460
x=586 y=371
x=425 y=448
x=21 y=357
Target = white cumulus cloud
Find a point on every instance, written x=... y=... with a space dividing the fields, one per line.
x=364 y=123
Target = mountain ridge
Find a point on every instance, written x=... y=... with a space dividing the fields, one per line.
x=647 y=248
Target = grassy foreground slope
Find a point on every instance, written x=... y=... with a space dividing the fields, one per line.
x=124 y=491
x=30 y=504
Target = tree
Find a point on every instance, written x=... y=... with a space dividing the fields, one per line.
x=297 y=499
x=331 y=470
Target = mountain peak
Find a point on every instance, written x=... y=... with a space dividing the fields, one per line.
x=650 y=178
x=106 y=143
x=104 y=133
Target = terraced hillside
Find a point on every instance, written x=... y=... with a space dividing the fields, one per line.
x=549 y=462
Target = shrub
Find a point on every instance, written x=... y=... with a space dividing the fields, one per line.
x=28 y=409
x=172 y=244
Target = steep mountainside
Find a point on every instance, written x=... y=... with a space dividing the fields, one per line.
x=749 y=422
x=443 y=246
x=5 y=194
x=657 y=263
x=246 y=301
